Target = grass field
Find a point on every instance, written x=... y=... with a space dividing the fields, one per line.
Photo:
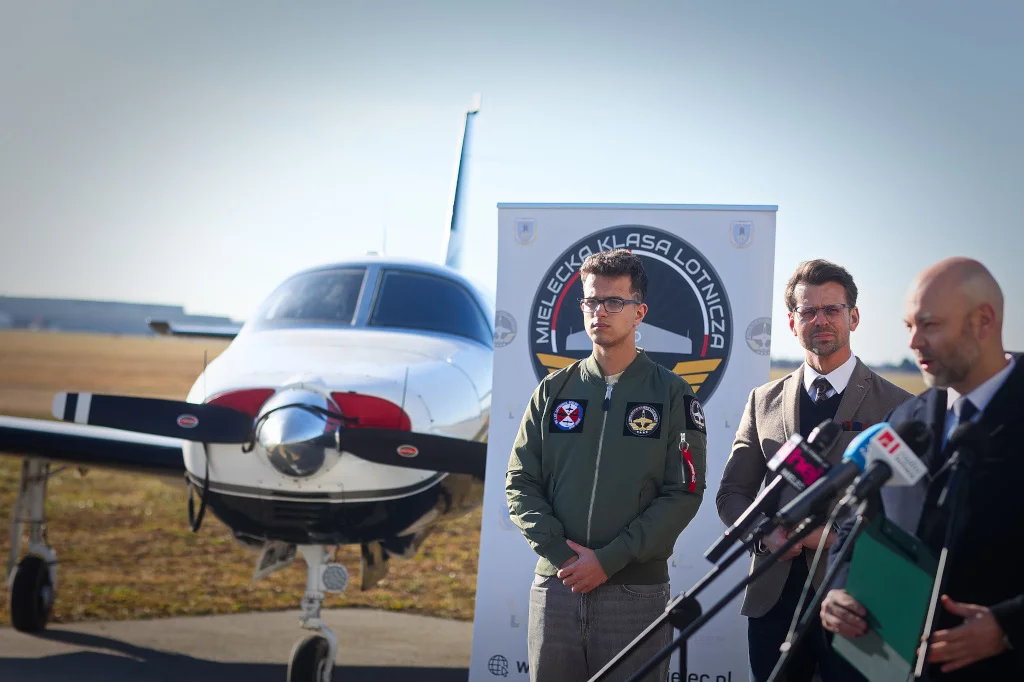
x=122 y=540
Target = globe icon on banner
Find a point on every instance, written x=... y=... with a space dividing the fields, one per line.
x=498 y=665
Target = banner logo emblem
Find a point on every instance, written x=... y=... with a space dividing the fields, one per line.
x=688 y=327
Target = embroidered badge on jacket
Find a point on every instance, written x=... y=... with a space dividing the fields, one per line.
x=695 y=414
x=567 y=416
x=643 y=420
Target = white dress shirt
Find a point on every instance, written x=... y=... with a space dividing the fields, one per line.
x=838 y=378
x=980 y=397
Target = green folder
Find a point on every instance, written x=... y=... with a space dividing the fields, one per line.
x=892 y=574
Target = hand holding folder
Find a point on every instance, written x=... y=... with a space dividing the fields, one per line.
x=891 y=575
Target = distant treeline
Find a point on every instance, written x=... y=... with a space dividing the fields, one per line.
x=907 y=365
x=108 y=317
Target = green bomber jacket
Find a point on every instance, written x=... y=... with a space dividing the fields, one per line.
x=617 y=468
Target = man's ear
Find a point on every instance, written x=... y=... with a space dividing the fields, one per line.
x=641 y=312
x=985 y=319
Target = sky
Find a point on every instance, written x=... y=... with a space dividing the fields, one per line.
x=197 y=153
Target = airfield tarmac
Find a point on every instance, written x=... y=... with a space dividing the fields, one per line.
x=254 y=647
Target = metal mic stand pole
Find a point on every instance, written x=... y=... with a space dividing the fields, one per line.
x=803 y=625
x=950 y=499
x=687 y=606
x=684 y=608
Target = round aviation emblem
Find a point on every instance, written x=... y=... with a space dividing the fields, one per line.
x=688 y=327
x=504 y=329
x=759 y=335
x=567 y=415
x=643 y=420
x=697 y=415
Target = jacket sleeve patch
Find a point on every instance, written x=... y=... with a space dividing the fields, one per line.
x=695 y=415
x=643 y=420
x=567 y=417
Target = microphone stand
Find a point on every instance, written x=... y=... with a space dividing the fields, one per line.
x=952 y=498
x=686 y=614
x=811 y=612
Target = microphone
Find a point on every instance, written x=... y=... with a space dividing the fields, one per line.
x=967 y=444
x=895 y=463
x=798 y=463
x=882 y=450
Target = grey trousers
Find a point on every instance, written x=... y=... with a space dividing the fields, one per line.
x=572 y=636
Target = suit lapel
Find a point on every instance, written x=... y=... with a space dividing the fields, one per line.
x=935 y=410
x=791 y=401
x=1005 y=404
x=853 y=396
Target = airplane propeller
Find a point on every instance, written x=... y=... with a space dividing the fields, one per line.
x=217 y=424
x=415 y=450
x=172 y=418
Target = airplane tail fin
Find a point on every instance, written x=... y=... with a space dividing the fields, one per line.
x=457 y=211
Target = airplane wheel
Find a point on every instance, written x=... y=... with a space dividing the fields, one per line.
x=31 y=595
x=310 y=658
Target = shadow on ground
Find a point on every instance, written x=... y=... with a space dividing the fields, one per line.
x=123 y=662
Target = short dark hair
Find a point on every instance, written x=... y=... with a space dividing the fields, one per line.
x=817 y=272
x=618 y=263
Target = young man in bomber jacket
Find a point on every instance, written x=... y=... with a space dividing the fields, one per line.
x=606 y=471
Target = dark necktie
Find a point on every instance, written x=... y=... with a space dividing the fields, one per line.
x=967 y=411
x=821 y=389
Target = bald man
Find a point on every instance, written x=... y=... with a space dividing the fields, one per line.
x=954 y=313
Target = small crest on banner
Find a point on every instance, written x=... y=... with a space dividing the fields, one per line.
x=525 y=230
x=759 y=335
x=504 y=328
x=742 y=233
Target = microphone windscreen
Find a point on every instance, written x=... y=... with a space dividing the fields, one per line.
x=916 y=434
x=824 y=435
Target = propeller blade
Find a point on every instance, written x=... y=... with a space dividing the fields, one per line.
x=172 y=418
x=416 y=450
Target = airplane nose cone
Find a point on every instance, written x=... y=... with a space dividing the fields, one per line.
x=296 y=433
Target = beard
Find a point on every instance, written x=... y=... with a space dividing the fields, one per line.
x=953 y=369
x=956 y=365
x=824 y=347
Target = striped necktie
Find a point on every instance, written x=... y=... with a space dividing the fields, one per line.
x=821 y=389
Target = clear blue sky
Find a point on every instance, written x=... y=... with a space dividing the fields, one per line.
x=197 y=153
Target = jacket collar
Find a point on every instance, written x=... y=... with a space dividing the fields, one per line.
x=590 y=370
x=857 y=388
x=1004 y=408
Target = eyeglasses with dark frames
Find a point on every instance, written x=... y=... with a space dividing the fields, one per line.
x=612 y=304
x=806 y=313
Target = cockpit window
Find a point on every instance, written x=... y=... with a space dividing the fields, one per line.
x=420 y=301
x=324 y=297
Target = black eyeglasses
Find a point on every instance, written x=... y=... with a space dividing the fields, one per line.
x=806 y=313
x=612 y=304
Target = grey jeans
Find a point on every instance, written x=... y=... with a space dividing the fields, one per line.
x=572 y=636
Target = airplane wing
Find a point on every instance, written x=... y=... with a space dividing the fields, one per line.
x=90 y=445
x=165 y=328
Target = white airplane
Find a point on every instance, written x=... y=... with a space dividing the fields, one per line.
x=352 y=407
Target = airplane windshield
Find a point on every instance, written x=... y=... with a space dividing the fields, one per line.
x=326 y=297
x=429 y=303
